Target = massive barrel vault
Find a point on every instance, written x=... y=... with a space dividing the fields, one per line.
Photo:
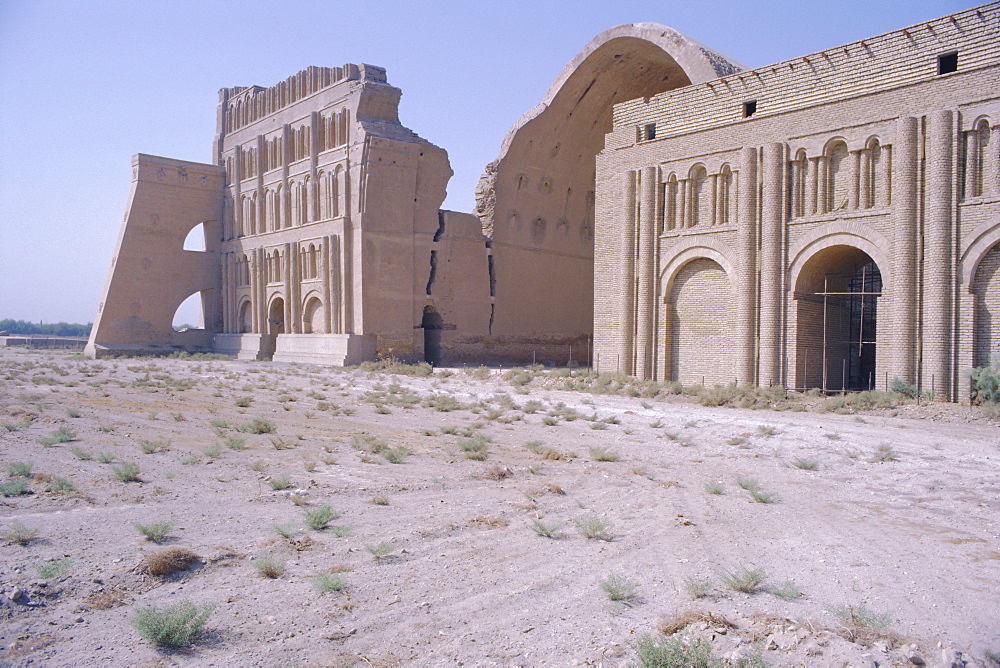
x=536 y=200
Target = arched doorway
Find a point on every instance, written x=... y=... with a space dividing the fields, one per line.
x=313 y=316
x=700 y=333
x=432 y=324
x=986 y=291
x=276 y=317
x=246 y=318
x=275 y=326
x=837 y=295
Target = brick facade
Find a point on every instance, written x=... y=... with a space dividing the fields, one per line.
x=843 y=209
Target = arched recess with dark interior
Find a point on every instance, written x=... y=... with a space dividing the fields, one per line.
x=546 y=171
x=432 y=324
x=275 y=326
x=837 y=298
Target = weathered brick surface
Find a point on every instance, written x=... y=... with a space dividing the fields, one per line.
x=855 y=154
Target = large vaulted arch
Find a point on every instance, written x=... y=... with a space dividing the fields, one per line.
x=536 y=201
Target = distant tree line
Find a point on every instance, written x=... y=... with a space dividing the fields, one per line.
x=50 y=328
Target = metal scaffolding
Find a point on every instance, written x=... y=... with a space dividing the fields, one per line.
x=853 y=342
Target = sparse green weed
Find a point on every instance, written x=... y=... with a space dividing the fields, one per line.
x=155 y=532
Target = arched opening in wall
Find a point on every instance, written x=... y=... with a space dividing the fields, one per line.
x=246 y=318
x=838 y=176
x=700 y=332
x=544 y=283
x=432 y=324
x=190 y=314
x=837 y=295
x=195 y=240
x=313 y=317
x=986 y=323
x=276 y=317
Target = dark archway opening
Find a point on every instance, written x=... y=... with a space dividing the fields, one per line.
x=838 y=294
x=432 y=324
x=275 y=326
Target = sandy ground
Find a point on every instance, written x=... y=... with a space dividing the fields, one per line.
x=468 y=580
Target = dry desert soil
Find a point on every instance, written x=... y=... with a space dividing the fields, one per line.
x=862 y=538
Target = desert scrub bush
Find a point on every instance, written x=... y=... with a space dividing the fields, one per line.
x=175 y=625
x=318 y=518
x=480 y=373
x=852 y=402
x=380 y=550
x=279 y=443
x=476 y=447
x=698 y=588
x=545 y=529
x=126 y=471
x=104 y=457
x=805 y=464
x=279 y=482
x=19 y=533
x=14 y=487
x=270 y=566
x=861 y=624
x=746 y=580
x=60 y=485
x=394 y=366
x=603 y=454
x=380 y=500
x=340 y=531
x=244 y=402
x=618 y=588
x=258 y=426
x=60 y=435
x=676 y=652
x=985 y=382
x=396 y=455
x=20 y=469
x=329 y=582
x=497 y=473
x=531 y=407
x=884 y=453
x=72 y=413
x=369 y=443
x=156 y=531
x=443 y=403
x=155 y=445
x=715 y=487
x=537 y=447
x=284 y=530
x=787 y=590
x=213 y=451
x=52 y=568
x=760 y=496
x=168 y=561
x=595 y=528
x=748 y=483
x=81 y=454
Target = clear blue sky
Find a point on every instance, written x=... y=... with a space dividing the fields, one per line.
x=85 y=84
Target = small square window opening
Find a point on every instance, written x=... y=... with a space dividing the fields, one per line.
x=948 y=63
x=749 y=108
x=649 y=132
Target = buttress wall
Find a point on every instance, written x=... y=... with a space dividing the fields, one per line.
x=151 y=273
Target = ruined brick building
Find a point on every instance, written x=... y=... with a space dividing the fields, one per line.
x=831 y=221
